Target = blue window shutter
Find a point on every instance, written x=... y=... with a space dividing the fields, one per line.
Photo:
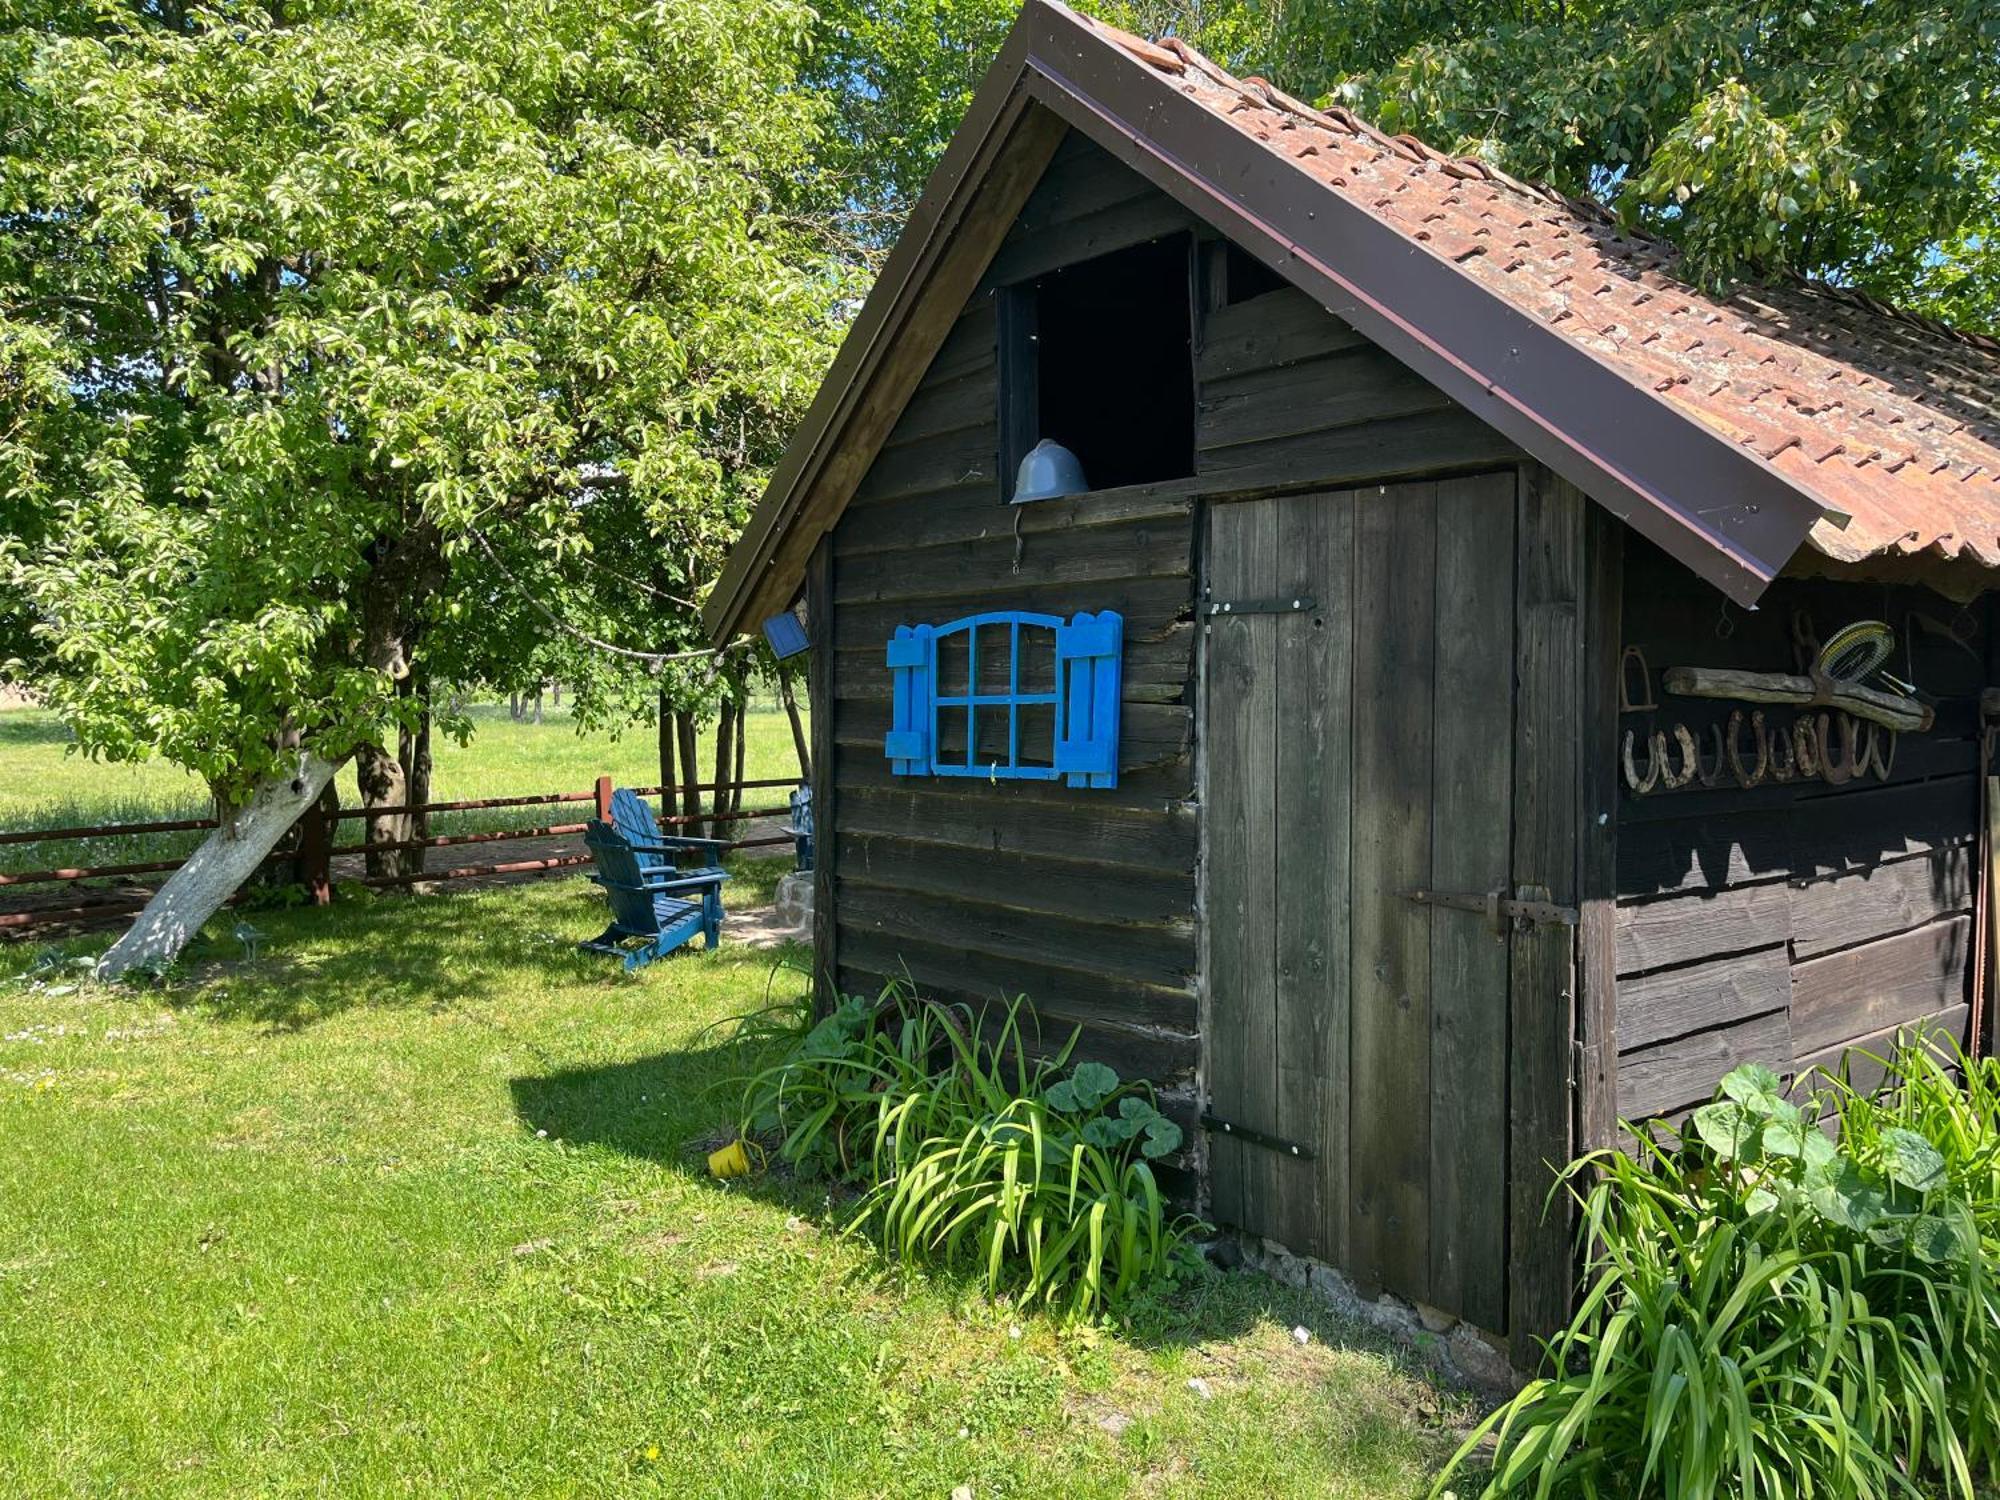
x=1088 y=654
x=910 y=664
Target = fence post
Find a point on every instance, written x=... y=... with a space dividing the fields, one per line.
x=604 y=799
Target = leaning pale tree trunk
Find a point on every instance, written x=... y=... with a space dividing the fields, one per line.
x=227 y=857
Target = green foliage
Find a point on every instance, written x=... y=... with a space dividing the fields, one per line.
x=975 y=1155
x=296 y=298
x=1855 y=140
x=1771 y=1314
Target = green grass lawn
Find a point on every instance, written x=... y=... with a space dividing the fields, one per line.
x=44 y=784
x=415 y=1204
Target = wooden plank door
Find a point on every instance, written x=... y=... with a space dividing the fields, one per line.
x=1355 y=750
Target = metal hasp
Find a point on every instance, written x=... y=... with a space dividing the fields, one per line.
x=1291 y=604
x=1257 y=1138
x=1498 y=907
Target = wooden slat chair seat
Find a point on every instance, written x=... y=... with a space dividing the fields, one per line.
x=653 y=903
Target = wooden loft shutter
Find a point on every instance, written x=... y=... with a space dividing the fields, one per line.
x=912 y=666
x=1087 y=657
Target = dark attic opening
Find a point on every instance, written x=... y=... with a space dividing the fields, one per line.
x=1099 y=358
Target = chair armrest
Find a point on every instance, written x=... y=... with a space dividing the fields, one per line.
x=682 y=882
x=676 y=845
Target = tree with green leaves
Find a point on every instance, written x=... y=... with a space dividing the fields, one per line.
x=314 y=312
x=1856 y=141
x=1851 y=140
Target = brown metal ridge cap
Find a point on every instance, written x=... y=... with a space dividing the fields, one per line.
x=1625 y=446
x=994 y=108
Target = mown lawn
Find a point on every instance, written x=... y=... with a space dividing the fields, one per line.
x=45 y=784
x=415 y=1204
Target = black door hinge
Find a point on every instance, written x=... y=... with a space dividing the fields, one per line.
x=1257 y=1138
x=1289 y=604
x=1498 y=907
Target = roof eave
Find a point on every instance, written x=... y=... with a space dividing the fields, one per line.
x=996 y=109
x=1630 y=450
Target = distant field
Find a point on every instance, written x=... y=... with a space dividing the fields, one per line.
x=44 y=784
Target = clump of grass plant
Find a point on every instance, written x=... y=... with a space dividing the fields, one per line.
x=1786 y=1299
x=973 y=1153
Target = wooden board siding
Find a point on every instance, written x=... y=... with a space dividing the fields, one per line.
x=1785 y=923
x=1288 y=392
x=1087 y=204
x=1083 y=900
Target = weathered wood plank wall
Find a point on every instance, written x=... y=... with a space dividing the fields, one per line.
x=1788 y=922
x=1289 y=393
x=1083 y=900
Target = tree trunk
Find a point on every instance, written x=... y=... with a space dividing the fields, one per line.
x=317 y=830
x=212 y=874
x=742 y=739
x=669 y=778
x=413 y=752
x=690 y=747
x=799 y=741
x=555 y=694
x=379 y=776
x=538 y=705
x=514 y=707
x=725 y=757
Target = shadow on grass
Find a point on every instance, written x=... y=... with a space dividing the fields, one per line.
x=394 y=952
x=20 y=727
x=672 y=1107
x=669 y=1107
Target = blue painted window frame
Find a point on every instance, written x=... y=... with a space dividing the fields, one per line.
x=1088 y=652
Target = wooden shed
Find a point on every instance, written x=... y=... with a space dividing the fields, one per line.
x=1344 y=750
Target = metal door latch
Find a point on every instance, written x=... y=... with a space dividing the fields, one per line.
x=1257 y=1138
x=1290 y=604
x=1498 y=907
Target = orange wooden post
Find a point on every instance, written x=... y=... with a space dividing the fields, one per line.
x=604 y=799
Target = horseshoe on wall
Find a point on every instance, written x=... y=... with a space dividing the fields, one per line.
x=1690 y=758
x=1626 y=702
x=1872 y=753
x=1838 y=771
x=1805 y=746
x=1711 y=775
x=1784 y=761
x=1747 y=779
x=1641 y=785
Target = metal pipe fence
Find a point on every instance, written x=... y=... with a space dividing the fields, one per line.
x=315 y=850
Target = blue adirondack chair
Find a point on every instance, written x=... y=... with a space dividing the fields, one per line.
x=800 y=827
x=654 y=903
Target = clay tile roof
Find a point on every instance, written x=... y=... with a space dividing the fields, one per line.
x=1737 y=433
x=1888 y=419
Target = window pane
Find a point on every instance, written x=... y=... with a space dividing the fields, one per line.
x=1038 y=734
x=994 y=665
x=953 y=652
x=993 y=748
x=950 y=737
x=1038 y=659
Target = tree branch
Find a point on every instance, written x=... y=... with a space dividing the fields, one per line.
x=657 y=658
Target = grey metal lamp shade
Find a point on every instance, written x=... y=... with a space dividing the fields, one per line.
x=1047 y=470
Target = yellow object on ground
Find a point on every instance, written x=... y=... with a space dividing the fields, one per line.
x=733 y=1160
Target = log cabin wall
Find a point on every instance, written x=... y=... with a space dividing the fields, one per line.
x=1083 y=899
x=1788 y=922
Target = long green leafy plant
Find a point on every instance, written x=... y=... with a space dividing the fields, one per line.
x=974 y=1153
x=1788 y=1299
